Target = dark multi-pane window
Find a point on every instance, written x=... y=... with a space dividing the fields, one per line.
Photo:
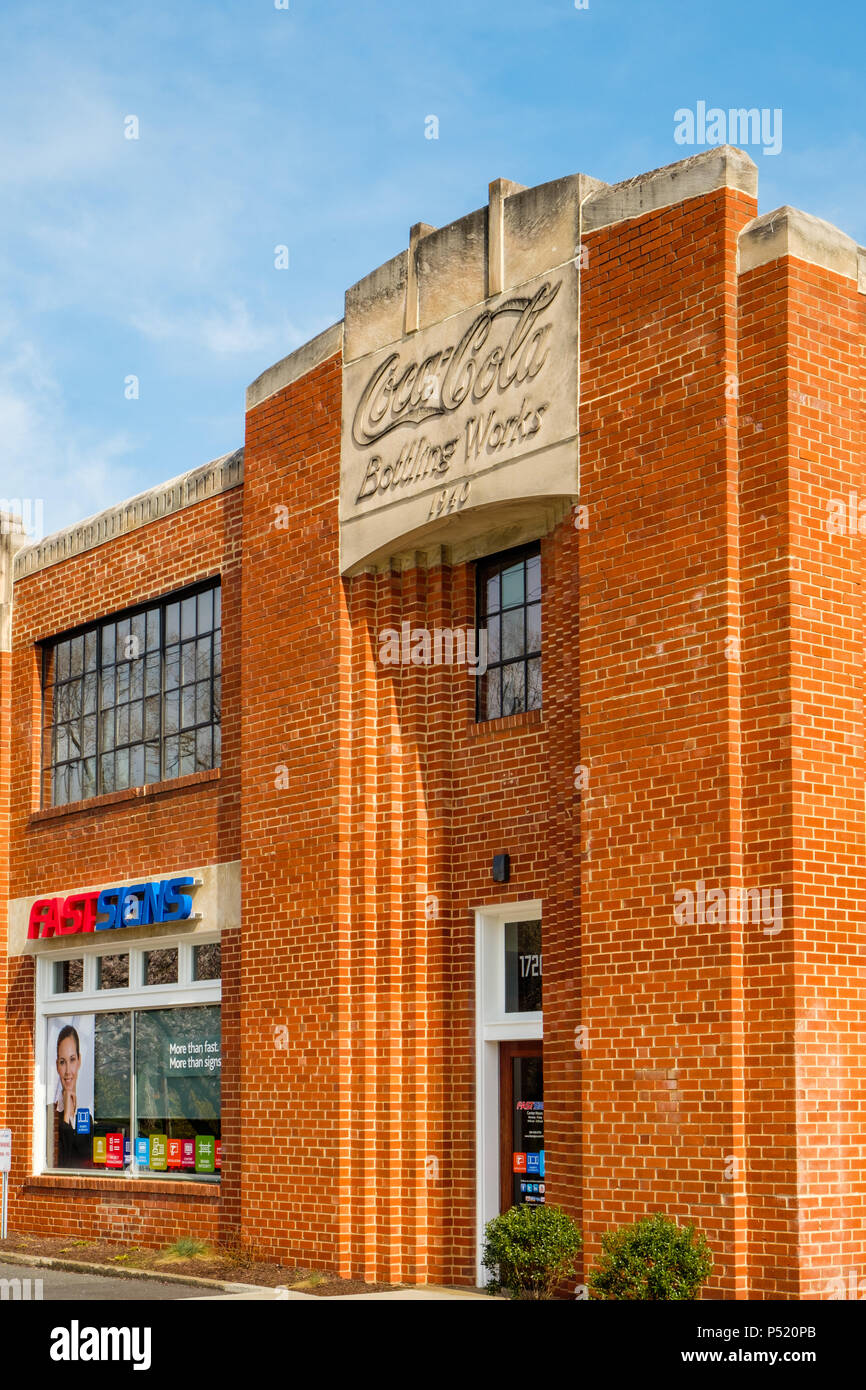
x=508 y=606
x=134 y=699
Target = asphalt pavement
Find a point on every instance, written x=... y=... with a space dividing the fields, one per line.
x=78 y=1286
x=61 y=1285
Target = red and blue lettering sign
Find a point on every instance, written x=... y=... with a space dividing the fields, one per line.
x=139 y=905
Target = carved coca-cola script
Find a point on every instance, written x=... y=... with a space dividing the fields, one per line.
x=475 y=413
x=407 y=393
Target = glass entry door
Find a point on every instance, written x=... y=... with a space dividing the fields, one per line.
x=521 y=1124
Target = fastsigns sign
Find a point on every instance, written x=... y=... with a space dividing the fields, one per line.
x=139 y=905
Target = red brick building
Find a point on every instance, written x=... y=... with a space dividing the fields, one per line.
x=528 y=625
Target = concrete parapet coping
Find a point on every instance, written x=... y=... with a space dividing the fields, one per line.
x=789 y=232
x=297 y=364
x=520 y=234
x=197 y=485
x=720 y=167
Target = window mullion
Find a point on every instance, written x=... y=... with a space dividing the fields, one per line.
x=525 y=638
x=42 y=736
x=99 y=710
x=133 y=1115
x=163 y=609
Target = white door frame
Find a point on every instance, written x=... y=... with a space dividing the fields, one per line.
x=493 y=1026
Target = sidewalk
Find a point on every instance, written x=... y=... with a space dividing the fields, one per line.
x=232 y=1290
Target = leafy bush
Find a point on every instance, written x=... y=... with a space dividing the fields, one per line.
x=651 y=1259
x=529 y=1250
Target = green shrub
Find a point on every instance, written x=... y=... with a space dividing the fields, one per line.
x=529 y=1250
x=651 y=1259
x=188 y=1247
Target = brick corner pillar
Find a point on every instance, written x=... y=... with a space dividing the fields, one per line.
x=12 y=539
x=661 y=966
x=293 y=802
x=803 y=517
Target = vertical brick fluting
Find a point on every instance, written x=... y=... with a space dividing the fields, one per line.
x=659 y=710
x=802 y=478
x=293 y=817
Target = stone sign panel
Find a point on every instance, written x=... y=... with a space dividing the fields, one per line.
x=473 y=411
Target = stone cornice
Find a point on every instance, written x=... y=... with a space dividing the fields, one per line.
x=787 y=231
x=296 y=365
x=184 y=491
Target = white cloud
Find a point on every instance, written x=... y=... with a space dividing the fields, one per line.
x=226 y=330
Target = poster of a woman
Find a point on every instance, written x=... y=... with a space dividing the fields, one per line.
x=70 y=1062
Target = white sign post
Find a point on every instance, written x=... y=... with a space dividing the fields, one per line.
x=5 y=1165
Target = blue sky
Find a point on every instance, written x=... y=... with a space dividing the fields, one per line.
x=305 y=127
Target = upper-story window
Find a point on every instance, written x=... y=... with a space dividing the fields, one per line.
x=508 y=608
x=133 y=699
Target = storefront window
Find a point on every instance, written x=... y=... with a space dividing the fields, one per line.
x=133 y=1087
x=111 y=1073
x=177 y=1066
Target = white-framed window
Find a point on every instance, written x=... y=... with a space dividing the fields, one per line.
x=508 y=975
x=509 y=971
x=129 y=1057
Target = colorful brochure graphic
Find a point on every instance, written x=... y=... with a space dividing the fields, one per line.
x=114 y=1151
x=204 y=1153
x=158 y=1152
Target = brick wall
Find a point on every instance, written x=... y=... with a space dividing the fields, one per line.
x=659 y=707
x=293 y=815
x=120 y=837
x=435 y=796
x=368 y=791
x=802 y=436
x=703 y=658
